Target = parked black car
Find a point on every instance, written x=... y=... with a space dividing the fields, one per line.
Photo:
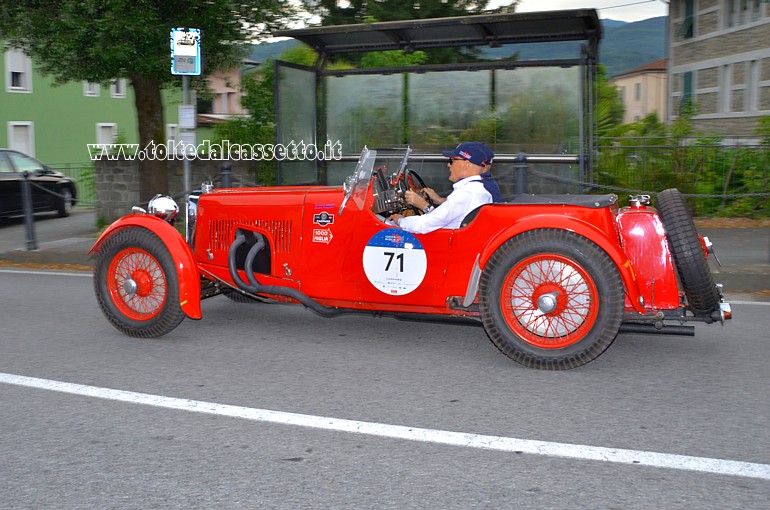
x=51 y=190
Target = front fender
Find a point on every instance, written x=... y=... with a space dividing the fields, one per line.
x=582 y=228
x=184 y=261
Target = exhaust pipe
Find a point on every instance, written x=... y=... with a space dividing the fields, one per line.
x=257 y=288
x=652 y=329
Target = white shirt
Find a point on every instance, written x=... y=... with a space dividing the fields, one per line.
x=468 y=194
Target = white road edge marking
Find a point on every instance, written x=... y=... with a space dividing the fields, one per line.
x=54 y=273
x=498 y=443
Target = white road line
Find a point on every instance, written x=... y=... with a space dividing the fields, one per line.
x=55 y=273
x=498 y=443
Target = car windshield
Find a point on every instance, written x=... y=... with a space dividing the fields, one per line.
x=389 y=163
x=357 y=184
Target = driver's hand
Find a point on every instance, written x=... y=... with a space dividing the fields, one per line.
x=394 y=218
x=415 y=199
x=437 y=199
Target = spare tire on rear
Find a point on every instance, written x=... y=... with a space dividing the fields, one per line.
x=687 y=250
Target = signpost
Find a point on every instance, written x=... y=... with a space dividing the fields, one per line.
x=186 y=61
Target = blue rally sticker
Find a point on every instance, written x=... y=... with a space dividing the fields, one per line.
x=395 y=261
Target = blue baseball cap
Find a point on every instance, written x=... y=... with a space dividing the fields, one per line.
x=475 y=152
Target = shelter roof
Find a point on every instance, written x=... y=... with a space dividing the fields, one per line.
x=479 y=30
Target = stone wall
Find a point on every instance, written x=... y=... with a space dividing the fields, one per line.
x=117 y=183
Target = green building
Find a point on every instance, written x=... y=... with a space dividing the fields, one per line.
x=54 y=123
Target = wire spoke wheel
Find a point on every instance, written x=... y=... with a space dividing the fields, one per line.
x=551 y=299
x=136 y=284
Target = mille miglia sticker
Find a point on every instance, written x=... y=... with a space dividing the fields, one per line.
x=322 y=235
x=323 y=218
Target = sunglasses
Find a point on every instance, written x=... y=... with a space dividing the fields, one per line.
x=452 y=160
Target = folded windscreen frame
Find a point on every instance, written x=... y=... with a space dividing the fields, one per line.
x=527 y=88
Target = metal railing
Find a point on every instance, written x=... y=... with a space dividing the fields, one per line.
x=85 y=182
x=718 y=180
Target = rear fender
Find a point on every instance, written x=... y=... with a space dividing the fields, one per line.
x=582 y=228
x=184 y=261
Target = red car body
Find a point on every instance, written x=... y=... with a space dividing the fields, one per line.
x=552 y=278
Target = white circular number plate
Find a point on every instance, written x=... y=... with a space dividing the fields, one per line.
x=395 y=261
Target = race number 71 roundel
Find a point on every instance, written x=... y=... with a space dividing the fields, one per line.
x=395 y=261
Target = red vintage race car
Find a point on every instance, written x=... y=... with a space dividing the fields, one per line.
x=552 y=278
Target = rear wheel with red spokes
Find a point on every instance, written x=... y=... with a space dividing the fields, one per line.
x=551 y=299
x=136 y=284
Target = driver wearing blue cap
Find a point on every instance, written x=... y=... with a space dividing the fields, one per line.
x=466 y=163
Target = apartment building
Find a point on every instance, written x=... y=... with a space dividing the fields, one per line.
x=719 y=63
x=644 y=91
x=55 y=122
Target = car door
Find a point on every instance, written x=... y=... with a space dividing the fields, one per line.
x=10 y=187
x=44 y=183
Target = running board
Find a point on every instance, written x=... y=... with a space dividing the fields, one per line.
x=651 y=329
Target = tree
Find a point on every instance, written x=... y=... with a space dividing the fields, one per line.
x=333 y=12
x=97 y=41
x=609 y=108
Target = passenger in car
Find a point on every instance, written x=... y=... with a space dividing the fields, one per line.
x=486 y=176
x=466 y=163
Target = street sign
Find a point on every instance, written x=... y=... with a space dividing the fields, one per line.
x=186 y=51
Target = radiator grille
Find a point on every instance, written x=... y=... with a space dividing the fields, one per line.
x=222 y=233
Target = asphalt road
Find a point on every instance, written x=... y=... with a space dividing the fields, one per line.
x=704 y=397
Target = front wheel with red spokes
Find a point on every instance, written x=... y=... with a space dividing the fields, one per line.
x=551 y=299
x=136 y=284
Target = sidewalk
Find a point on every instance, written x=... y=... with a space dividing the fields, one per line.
x=742 y=247
x=60 y=241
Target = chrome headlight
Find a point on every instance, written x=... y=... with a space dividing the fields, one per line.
x=163 y=207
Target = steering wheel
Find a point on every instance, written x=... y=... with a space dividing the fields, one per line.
x=412 y=176
x=412 y=181
x=404 y=182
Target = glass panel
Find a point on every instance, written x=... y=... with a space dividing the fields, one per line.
x=538 y=110
x=365 y=111
x=24 y=163
x=296 y=121
x=445 y=106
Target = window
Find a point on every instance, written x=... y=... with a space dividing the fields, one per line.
x=686 y=103
x=686 y=29
x=726 y=87
x=21 y=137
x=18 y=71
x=638 y=91
x=752 y=87
x=5 y=167
x=106 y=133
x=740 y=12
x=24 y=163
x=90 y=89
x=118 y=88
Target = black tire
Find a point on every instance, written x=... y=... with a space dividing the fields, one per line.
x=136 y=284
x=687 y=251
x=64 y=202
x=584 y=286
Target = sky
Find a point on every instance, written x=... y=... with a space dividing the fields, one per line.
x=620 y=10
